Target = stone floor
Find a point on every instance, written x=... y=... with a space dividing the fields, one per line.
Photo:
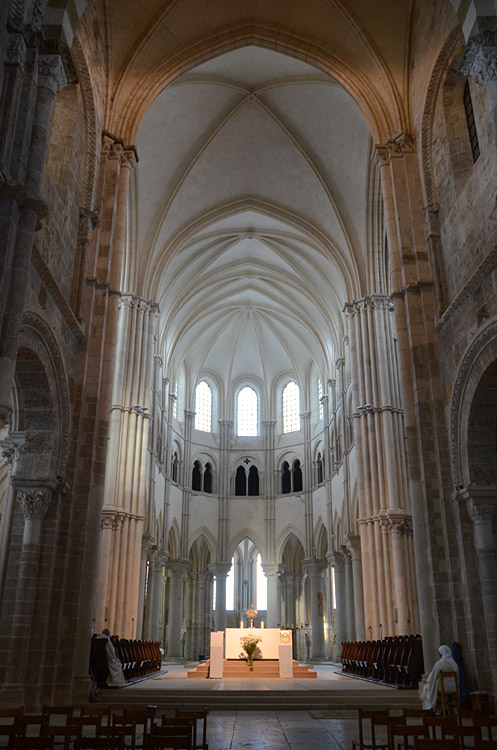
x=278 y=730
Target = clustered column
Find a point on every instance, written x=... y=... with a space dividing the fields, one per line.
x=389 y=607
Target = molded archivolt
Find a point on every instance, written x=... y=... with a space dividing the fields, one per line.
x=285 y=538
x=382 y=108
x=202 y=548
x=173 y=540
x=246 y=534
x=477 y=361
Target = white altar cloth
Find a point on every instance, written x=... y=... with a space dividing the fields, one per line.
x=268 y=647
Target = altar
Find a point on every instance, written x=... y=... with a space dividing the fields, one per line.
x=267 y=648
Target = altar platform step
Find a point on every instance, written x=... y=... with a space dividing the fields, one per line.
x=262 y=669
x=264 y=700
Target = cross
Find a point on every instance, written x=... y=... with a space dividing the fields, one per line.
x=252 y=614
x=246 y=461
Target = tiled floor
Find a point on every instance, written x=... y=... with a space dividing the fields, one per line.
x=278 y=730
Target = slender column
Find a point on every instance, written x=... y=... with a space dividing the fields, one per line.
x=315 y=570
x=299 y=600
x=349 y=588
x=220 y=570
x=308 y=506
x=11 y=449
x=338 y=562
x=140 y=625
x=354 y=546
x=176 y=569
x=269 y=487
x=33 y=502
x=273 y=571
x=482 y=509
x=397 y=525
x=226 y=431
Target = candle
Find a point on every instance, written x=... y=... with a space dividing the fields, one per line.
x=262 y=624
x=241 y=624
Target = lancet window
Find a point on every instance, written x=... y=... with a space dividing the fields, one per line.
x=203 y=407
x=291 y=407
x=246 y=413
x=247 y=481
x=291 y=479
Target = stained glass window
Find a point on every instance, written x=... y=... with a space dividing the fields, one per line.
x=246 y=413
x=291 y=407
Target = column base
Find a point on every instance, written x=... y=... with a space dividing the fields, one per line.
x=318 y=660
x=175 y=659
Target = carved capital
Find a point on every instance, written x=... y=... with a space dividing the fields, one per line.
x=12 y=447
x=481 y=510
x=34 y=502
x=16 y=50
x=353 y=544
x=51 y=73
x=480 y=59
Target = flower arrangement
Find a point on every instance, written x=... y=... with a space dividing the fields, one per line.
x=249 y=643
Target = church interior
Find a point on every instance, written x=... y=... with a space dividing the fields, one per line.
x=248 y=329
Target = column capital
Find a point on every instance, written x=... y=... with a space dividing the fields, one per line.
x=51 y=73
x=15 y=52
x=178 y=566
x=34 y=502
x=11 y=448
x=189 y=414
x=315 y=566
x=335 y=559
x=220 y=569
x=480 y=59
x=273 y=570
x=398 y=520
x=353 y=544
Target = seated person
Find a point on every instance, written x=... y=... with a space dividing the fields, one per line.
x=429 y=692
x=116 y=676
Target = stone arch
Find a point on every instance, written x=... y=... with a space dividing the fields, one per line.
x=287 y=533
x=39 y=360
x=201 y=552
x=173 y=540
x=207 y=538
x=292 y=554
x=320 y=538
x=383 y=119
x=469 y=413
x=246 y=534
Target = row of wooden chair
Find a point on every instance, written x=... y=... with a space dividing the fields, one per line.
x=397 y=660
x=138 y=658
x=382 y=730
x=109 y=729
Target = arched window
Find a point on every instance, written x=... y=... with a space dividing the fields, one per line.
x=320 y=396
x=203 y=407
x=197 y=476
x=174 y=467
x=319 y=467
x=286 y=479
x=175 y=401
x=246 y=413
x=208 y=479
x=297 y=476
x=291 y=407
x=253 y=481
x=240 y=481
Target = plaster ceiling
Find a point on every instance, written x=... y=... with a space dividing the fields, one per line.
x=251 y=215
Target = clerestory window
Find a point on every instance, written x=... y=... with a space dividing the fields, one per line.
x=291 y=407
x=203 y=407
x=246 y=413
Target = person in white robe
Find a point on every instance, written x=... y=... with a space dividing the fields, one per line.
x=429 y=691
x=115 y=677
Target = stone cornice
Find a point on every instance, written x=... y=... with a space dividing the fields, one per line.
x=485 y=268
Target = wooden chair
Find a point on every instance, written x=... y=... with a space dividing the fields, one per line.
x=68 y=732
x=128 y=727
x=449 y=699
x=373 y=719
x=440 y=726
x=154 y=742
x=417 y=713
x=34 y=720
x=485 y=744
x=137 y=717
x=11 y=713
x=197 y=716
x=66 y=711
x=406 y=732
x=176 y=728
x=488 y=723
x=105 y=712
x=421 y=744
x=31 y=743
x=100 y=743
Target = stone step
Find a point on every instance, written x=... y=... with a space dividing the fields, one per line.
x=261 y=669
x=271 y=700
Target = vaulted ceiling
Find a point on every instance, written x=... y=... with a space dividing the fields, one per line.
x=251 y=218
